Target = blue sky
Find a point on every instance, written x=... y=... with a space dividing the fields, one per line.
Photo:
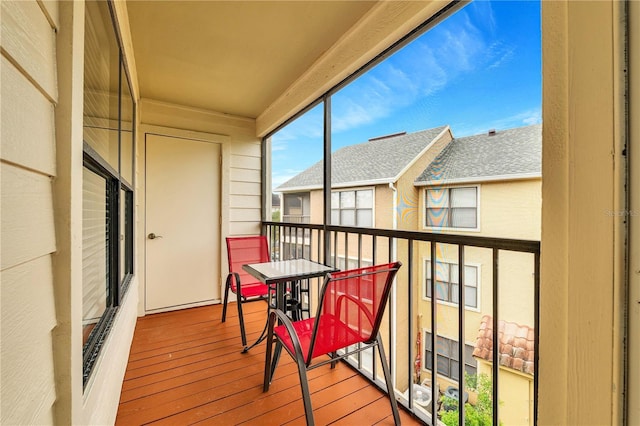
x=478 y=70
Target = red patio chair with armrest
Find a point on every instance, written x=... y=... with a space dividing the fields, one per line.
x=241 y=251
x=350 y=309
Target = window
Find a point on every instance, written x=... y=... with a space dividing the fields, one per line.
x=352 y=208
x=452 y=207
x=448 y=357
x=297 y=208
x=447 y=283
x=351 y=264
x=108 y=152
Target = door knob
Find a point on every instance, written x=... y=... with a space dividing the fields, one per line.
x=153 y=236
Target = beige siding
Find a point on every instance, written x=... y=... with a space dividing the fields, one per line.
x=27 y=216
x=29 y=40
x=29 y=88
x=27 y=364
x=29 y=146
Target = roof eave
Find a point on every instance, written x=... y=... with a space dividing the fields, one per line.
x=351 y=184
x=480 y=179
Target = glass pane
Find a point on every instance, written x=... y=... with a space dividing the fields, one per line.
x=453 y=268
x=471 y=296
x=463 y=197
x=438 y=217
x=101 y=83
x=365 y=218
x=442 y=290
x=453 y=344
x=471 y=276
x=335 y=200
x=443 y=346
x=335 y=217
x=347 y=217
x=364 y=199
x=454 y=370
x=347 y=200
x=443 y=366
x=427 y=267
x=127 y=131
x=454 y=293
x=463 y=218
x=428 y=287
x=95 y=277
x=442 y=271
x=437 y=198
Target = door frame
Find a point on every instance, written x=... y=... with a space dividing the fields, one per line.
x=141 y=211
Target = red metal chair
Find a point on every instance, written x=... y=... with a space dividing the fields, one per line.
x=244 y=250
x=350 y=309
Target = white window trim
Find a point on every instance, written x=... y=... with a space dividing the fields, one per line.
x=448 y=228
x=373 y=201
x=478 y=266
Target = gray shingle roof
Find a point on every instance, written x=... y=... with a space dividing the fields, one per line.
x=372 y=161
x=509 y=152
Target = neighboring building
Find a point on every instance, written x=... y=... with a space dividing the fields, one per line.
x=483 y=185
x=368 y=181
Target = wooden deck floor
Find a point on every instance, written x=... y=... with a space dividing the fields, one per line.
x=186 y=367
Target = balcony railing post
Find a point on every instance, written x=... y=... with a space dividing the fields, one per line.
x=329 y=234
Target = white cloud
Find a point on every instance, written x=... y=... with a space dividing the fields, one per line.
x=523 y=118
x=426 y=68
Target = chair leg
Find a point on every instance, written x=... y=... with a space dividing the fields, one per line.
x=226 y=298
x=267 y=359
x=243 y=334
x=387 y=379
x=306 y=395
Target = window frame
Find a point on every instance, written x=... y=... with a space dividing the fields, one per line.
x=355 y=208
x=427 y=366
x=119 y=193
x=425 y=287
x=448 y=189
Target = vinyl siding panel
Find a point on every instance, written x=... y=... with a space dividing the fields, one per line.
x=244 y=201
x=244 y=228
x=245 y=188
x=245 y=175
x=27 y=216
x=50 y=9
x=245 y=215
x=245 y=162
x=28 y=316
x=28 y=162
x=29 y=39
x=23 y=143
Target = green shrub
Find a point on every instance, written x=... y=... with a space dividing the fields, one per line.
x=479 y=415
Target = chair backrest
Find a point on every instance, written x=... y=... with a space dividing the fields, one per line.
x=244 y=250
x=357 y=298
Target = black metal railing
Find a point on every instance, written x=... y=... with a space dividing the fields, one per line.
x=347 y=247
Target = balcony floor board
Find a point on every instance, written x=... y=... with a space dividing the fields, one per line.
x=186 y=367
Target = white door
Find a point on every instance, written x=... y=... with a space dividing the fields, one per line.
x=182 y=222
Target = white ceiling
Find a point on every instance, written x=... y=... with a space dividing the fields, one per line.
x=234 y=57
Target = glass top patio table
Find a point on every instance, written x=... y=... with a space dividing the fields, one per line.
x=278 y=273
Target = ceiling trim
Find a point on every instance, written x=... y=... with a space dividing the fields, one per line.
x=386 y=23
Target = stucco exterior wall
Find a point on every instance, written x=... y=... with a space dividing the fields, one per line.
x=580 y=300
